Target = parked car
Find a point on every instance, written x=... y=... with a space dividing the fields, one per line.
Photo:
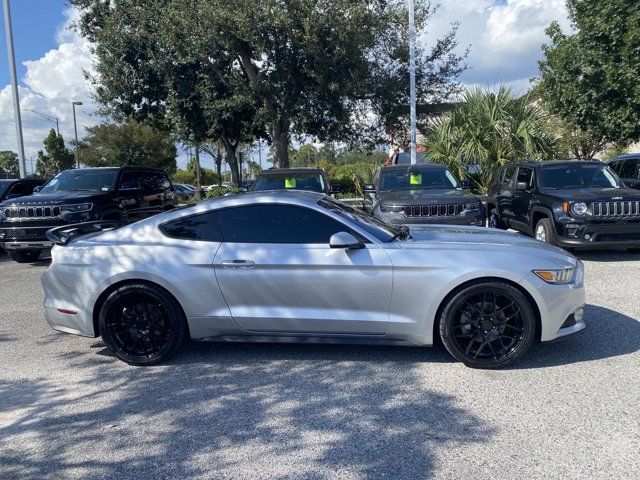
x=627 y=167
x=81 y=195
x=422 y=194
x=567 y=203
x=183 y=192
x=301 y=266
x=307 y=179
x=18 y=187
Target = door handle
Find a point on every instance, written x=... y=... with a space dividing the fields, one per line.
x=242 y=264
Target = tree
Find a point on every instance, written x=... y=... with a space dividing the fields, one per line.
x=590 y=78
x=9 y=167
x=488 y=130
x=130 y=143
x=57 y=157
x=225 y=68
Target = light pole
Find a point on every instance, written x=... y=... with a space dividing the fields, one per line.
x=75 y=131
x=46 y=116
x=412 y=78
x=14 y=88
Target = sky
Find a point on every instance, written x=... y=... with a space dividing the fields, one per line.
x=503 y=36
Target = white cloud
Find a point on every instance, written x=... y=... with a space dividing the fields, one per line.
x=50 y=84
x=504 y=37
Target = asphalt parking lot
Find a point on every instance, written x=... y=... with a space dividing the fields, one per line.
x=68 y=409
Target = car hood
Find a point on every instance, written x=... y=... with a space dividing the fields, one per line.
x=424 y=197
x=477 y=237
x=53 y=199
x=595 y=194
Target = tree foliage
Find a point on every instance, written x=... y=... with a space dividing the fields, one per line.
x=488 y=130
x=56 y=156
x=239 y=69
x=130 y=143
x=9 y=167
x=590 y=78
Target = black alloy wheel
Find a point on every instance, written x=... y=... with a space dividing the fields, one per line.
x=487 y=324
x=142 y=324
x=24 y=256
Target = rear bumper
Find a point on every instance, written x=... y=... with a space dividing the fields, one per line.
x=603 y=236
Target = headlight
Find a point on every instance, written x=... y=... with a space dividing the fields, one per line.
x=473 y=206
x=579 y=208
x=557 y=277
x=391 y=208
x=79 y=207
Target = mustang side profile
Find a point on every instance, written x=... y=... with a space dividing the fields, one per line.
x=300 y=266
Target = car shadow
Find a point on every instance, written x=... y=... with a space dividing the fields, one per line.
x=608 y=334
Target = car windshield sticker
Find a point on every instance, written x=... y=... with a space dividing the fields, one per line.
x=415 y=179
x=289 y=183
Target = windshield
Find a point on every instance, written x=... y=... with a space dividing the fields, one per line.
x=563 y=177
x=4 y=186
x=375 y=227
x=71 y=181
x=413 y=178
x=311 y=182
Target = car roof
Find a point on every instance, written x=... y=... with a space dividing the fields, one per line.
x=116 y=169
x=276 y=171
x=534 y=164
x=16 y=180
x=625 y=156
x=417 y=165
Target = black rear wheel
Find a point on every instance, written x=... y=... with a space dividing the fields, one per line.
x=142 y=324
x=24 y=256
x=487 y=324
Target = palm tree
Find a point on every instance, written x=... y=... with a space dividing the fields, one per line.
x=488 y=130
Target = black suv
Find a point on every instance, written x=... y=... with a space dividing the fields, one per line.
x=308 y=179
x=78 y=196
x=422 y=194
x=14 y=188
x=628 y=169
x=566 y=203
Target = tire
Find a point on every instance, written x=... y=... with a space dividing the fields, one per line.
x=24 y=256
x=142 y=324
x=487 y=324
x=545 y=232
x=495 y=221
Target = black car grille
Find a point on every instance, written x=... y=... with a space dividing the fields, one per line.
x=617 y=237
x=25 y=233
x=447 y=210
x=30 y=211
x=615 y=209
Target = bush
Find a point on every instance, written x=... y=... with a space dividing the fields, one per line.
x=220 y=191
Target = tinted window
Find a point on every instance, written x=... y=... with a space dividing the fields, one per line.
x=615 y=166
x=204 y=227
x=277 y=224
x=578 y=176
x=155 y=182
x=415 y=178
x=130 y=181
x=629 y=168
x=21 y=189
x=311 y=182
x=71 y=181
x=507 y=177
x=368 y=223
x=525 y=175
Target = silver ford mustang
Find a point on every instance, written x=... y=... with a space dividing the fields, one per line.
x=286 y=267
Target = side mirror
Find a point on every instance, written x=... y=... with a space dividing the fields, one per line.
x=521 y=186
x=336 y=189
x=369 y=188
x=466 y=184
x=37 y=189
x=344 y=240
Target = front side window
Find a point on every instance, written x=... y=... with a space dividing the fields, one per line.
x=366 y=222
x=567 y=177
x=416 y=178
x=73 y=181
x=310 y=182
x=203 y=227
x=508 y=174
x=629 y=168
x=525 y=175
x=277 y=224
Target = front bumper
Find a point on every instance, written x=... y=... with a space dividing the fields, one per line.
x=602 y=236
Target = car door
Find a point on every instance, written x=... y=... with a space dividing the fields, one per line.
x=278 y=274
x=505 y=194
x=20 y=189
x=523 y=199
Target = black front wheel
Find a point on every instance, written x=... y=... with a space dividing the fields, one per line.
x=24 y=256
x=142 y=324
x=544 y=232
x=487 y=324
x=495 y=221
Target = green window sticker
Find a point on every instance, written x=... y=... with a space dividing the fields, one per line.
x=289 y=183
x=415 y=179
